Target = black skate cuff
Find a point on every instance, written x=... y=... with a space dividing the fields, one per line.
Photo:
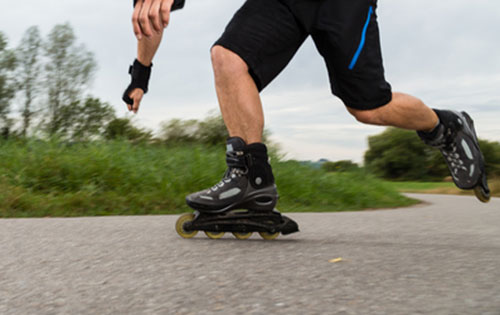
x=140 y=79
x=178 y=4
x=259 y=169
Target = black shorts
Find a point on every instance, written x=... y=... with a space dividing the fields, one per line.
x=266 y=34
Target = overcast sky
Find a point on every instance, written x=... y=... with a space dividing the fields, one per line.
x=445 y=52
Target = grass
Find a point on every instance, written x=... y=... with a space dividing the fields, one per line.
x=39 y=179
x=442 y=187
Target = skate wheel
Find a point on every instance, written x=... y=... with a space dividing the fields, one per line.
x=242 y=236
x=481 y=194
x=179 y=225
x=268 y=236
x=214 y=235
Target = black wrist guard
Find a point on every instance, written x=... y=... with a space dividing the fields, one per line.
x=140 y=79
x=178 y=4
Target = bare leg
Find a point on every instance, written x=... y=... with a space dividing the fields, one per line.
x=403 y=111
x=238 y=96
x=241 y=106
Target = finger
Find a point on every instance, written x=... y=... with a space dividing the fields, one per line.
x=166 y=5
x=144 y=18
x=133 y=96
x=129 y=101
x=137 y=100
x=154 y=16
x=135 y=20
x=137 y=103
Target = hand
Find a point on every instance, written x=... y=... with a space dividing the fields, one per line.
x=151 y=16
x=136 y=95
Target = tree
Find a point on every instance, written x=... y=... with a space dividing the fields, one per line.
x=212 y=130
x=28 y=74
x=68 y=71
x=178 y=130
x=7 y=85
x=340 y=166
x=84 y=120
x=491 y=152
x=398 y=154
x=123 y=128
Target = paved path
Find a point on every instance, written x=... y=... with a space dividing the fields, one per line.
x=439 y=258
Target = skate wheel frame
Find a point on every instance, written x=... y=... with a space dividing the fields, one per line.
x=179 y=225
x=268 y=236
x=481 y=194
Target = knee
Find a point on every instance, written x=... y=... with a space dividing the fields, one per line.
x=371 y=117
x=225 y=61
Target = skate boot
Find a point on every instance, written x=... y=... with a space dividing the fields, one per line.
x=242 y=202
x=456 y=138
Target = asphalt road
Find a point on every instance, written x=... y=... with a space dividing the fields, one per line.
x=439 y=258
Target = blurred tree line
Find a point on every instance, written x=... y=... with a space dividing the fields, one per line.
x=210 y=131
x=43 y=85
x=46 y=79
x=340 y=166
x=398 y=154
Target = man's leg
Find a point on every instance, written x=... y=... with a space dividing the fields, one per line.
x=238 y=96
x=257 y=44
x=403 y=111
x=248 y=182
x=452 y=132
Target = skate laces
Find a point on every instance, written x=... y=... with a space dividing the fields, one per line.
x=444 y=138
x=453 y=158
x=230 y=174
x=449 y=149
x=445 y=141
x=237 y=167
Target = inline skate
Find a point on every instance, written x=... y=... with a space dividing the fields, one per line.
x=456 y=138
x=243 y=202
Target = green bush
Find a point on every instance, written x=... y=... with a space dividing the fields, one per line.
x=123 y=128
x=340 y=166
x=398 y=154
x=209 y=131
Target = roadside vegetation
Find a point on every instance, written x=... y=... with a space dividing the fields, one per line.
x=117 y=177
x=408 y=165
x=441 y=187
x=399 y=156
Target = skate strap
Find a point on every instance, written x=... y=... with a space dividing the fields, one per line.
x=140 y=79
x=440 y=138
x=236 y=159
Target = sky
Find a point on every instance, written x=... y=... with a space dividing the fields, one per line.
x=444 y=52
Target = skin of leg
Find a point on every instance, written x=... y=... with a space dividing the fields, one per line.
x=403 y=111
x=238 y=96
